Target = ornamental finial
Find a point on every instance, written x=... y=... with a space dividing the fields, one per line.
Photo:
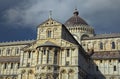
x=76 y=13
x=50 y=14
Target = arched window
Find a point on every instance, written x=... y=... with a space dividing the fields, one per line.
x=49 y=33
x=11 y=65
x=55 y=54
x=114 y=68
x=17 y=50
x=8 y=51
x=101 y=45
x=68 y=52
x=28 y=64
x=44 y=52
x=18 y=66
x=29 y=54
x=84 y=36
x=113 y=45
x=55 y=57
x=5 y=65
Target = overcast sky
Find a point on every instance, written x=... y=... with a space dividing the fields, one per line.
x=19 y=18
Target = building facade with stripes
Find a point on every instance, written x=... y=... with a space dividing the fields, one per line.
x=62 y=51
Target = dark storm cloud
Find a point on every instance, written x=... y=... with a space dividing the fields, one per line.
x=5 y=4
x=14 y=34
x=34 y=12
x=103 y=15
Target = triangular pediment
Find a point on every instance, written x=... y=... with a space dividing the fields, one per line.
x=50 y=22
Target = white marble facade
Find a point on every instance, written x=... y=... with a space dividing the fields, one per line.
x=62 y=51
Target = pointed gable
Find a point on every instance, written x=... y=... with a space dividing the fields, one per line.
x=49 y=22
x=51 y=29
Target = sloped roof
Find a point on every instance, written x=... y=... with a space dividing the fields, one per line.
x=106 y=55
x=16 y=43
x=49 y=19
x=75 y=20
x=103 y=36
x=48 y=43
x=10 y=59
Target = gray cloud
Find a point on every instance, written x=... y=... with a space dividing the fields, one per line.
x=33 y=12
x=99 y=13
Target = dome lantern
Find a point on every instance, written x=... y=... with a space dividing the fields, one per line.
x=76 y=13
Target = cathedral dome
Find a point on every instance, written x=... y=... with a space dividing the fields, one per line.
x=75 y=20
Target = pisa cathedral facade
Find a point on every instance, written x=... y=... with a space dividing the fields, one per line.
x=62 y=51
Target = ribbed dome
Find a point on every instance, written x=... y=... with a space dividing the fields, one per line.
x=75 y=20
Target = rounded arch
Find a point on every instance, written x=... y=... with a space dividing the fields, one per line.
x=42 y=74
x=17 y=50
x=70 y=71
x=84 y=36
x=54 y=29
x=30 y=71
x=14 y=77
x=8 y=51
x=101 y=45
x=8 y=78
x=63 y=71
x=113 y=45
x=49 y=32
x=23 y=71
x=36 y=74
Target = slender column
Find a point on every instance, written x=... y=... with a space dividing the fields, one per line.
x=22 y=58
x=68 y=75
x=47 y=55
x=117 y=44
x=21 y=76
x=64 y=56
x=31 y=60
x=38 y=55
x=27 y=56
x=53 y=55
x=58 y=57
x=61 y=57
x=42 y=56
x=54 y=58
x=71 y=56
x=26 y=75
